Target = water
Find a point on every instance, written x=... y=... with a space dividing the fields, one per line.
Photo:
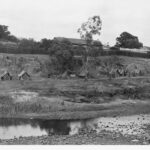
x=15 y=128
x=131 y=125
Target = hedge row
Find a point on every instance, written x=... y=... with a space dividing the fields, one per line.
x=16 y=50
x=124 y=53
x=93 y=53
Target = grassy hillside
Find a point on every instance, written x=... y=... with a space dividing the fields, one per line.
x=143 y=62
x=35 y=64
x=14 y=63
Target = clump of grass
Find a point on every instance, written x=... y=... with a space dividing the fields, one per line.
x=23 y=108
x=5 y=99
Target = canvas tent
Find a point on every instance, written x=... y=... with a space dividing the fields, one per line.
x=23 y=75
x=83 y=72
x=6 y=76
x=68 y=73
x=135 y=69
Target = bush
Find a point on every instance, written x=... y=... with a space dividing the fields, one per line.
x=127 y=40
x=63 y=55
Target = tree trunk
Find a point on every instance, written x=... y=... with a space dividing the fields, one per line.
x=87 y=61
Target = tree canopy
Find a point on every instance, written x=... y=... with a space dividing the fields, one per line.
x=127 y=40
x=5 y=34
x=45 y=43
x=63 y=55
x=87 y=30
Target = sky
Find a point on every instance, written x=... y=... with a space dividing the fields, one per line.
x=61 y=18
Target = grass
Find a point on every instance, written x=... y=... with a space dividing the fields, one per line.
x=70 y=92
x=59 y=97
x=5 y=100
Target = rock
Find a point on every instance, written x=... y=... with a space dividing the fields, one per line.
x=148 y=140
x=100 y=99
x=135 y=140
x=145 y=143
x=80 y=99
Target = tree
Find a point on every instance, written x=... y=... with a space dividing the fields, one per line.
x=127 y=40
x=87 y=31
x=46 y=43
x=96 y=48
x=4 y=33
x=29 y=46
x=12 y=38
x=62 y=54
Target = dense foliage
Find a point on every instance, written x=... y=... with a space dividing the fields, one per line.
x=29 y=46
x=63 y=55
x=127 y=40
x=46 y=44
x=87 y=30
x=10 y=44
x=6 y=35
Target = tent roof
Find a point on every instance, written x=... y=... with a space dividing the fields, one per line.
x=22 y=73
x=132 y=67
x=73 y=40
x=6 y=72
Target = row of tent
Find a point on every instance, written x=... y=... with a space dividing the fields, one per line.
x=23 y=75
x=130 y=70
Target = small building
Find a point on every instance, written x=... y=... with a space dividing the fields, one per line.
x=23 y=75
x=6 y=76
x=75 y=42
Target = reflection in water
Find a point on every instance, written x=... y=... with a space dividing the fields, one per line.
x=133 y=125
x=55 y=126
x=22 y=130
x=10 y=128
x=75 y=126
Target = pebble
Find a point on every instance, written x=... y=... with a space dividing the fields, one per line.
x=135 y=140
x=145 y=143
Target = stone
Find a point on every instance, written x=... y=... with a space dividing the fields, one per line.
x=145 y=143
x=135 y=140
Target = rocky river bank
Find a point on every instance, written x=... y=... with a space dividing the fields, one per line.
x=127 y=130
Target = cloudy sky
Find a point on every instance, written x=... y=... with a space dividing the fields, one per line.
x=51 y=18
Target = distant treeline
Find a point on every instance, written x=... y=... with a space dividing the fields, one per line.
x=23 y=46
x=17 y=50
x=11 y=44
x=124 y=53
x=29 y=46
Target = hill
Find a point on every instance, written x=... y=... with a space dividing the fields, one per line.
x=14 y=63
x=36 y=64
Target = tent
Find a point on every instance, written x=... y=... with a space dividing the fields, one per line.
x=6 y=76
x=23 y=75
x=135 y=69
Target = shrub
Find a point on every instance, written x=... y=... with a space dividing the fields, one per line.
x=127 y=40
x=63 y=55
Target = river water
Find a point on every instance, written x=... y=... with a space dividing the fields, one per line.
x=15 y=128
x=126 y=125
